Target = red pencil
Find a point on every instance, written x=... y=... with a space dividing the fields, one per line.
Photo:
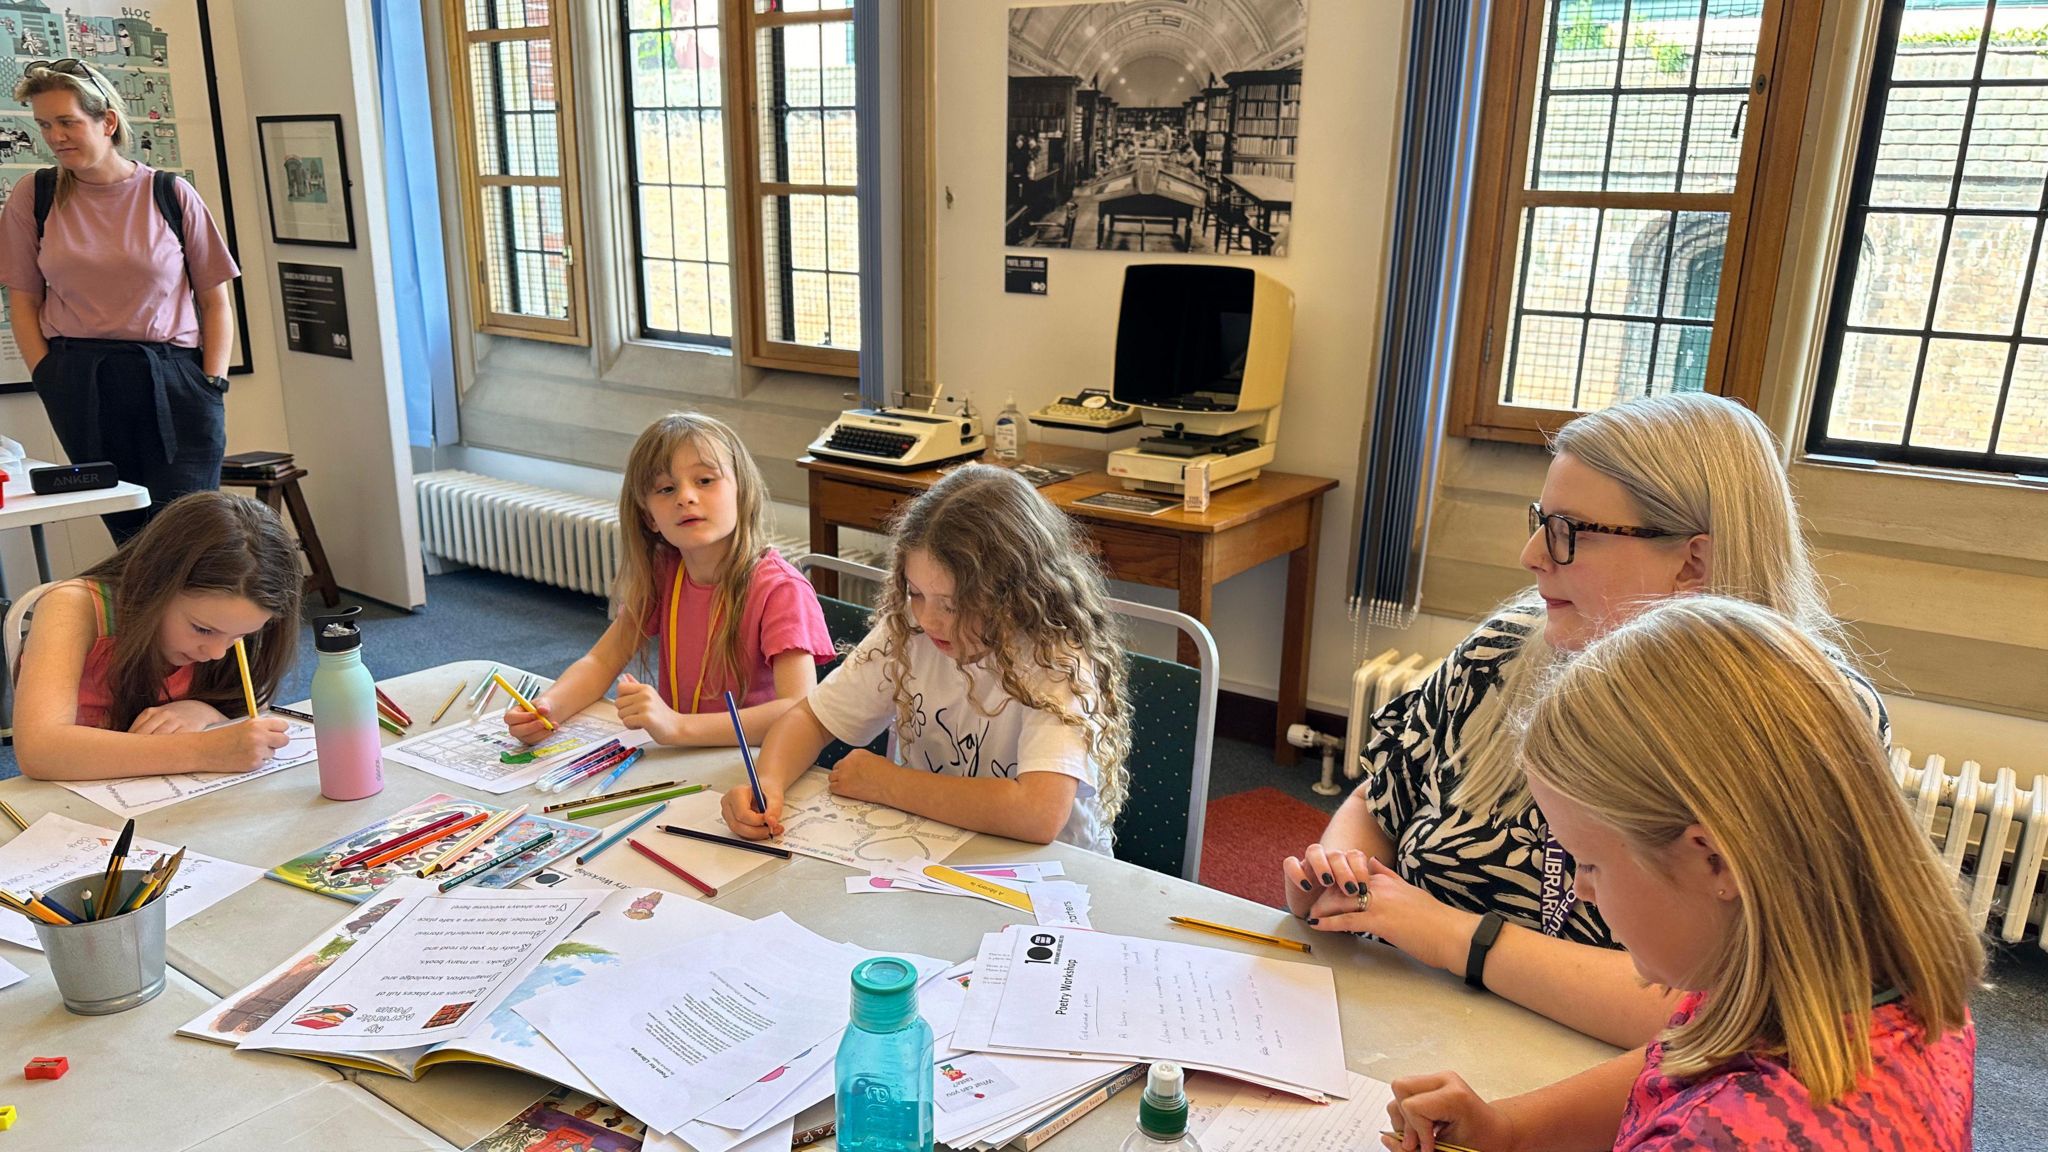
x=390 y=854
x=397 y=712
x=658 y=858
x=420 y=833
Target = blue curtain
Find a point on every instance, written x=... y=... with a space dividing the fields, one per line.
x=413 y=199
x=1446 y=59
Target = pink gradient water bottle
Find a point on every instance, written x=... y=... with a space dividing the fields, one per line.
x=345 y=711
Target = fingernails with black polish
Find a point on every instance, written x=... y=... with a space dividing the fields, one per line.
x=1351 y=889
x=1307 y=887
x=1312 y=921
x=1329 y=879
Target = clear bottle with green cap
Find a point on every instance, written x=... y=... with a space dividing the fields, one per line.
x=884 y=1072
x=1163 y=1114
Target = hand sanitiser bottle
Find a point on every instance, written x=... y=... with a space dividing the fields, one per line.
x=884 y=1072
x=1009 y=431
x=1163 y=1114
x=345 y=711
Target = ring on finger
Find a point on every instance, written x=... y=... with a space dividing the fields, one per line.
x=1363 y=896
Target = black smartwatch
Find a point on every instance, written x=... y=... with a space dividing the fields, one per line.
x=1482 y=942
x=218 y=384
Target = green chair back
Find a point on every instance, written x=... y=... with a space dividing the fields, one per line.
x=848 y=624
x=1153 y=828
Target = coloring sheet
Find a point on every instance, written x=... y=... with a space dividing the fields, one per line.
x=58 y=848
x=424 y=970
x=858 y=834
x=481 y=754
x=135 y=795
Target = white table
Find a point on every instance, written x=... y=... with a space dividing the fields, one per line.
x=1399 y=1018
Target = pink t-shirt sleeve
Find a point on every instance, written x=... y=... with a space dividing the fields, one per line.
x=18 y=245
x=791 y=620
x=206 y=251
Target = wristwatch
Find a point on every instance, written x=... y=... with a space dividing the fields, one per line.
x=1482 y=942
x=218 y=384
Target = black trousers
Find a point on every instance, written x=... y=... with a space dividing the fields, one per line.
x=145 y=407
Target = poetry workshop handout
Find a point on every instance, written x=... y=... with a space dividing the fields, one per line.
x=1063 y=991
x=483 y=754
x=134 y=795
x=418 y=974
x=57 y=848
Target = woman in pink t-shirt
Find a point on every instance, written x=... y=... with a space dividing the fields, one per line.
x=699 y=584
x=125 y=324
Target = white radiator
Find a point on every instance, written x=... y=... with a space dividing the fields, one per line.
x=1373 y=684
x=546 y=535
x=1991 y=834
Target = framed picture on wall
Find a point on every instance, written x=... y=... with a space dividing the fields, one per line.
x=159 y=60
x=305 y=175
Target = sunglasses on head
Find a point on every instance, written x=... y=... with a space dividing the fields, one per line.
x=71 y=66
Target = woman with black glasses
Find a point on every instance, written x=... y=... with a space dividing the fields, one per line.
x=117 y=282
x=1440 y=851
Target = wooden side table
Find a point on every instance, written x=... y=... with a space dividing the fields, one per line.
x=1278 y=514
x=282 y=494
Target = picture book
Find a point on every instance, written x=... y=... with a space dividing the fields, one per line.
x=315 y=871
x=566 y=1120
x=618 y=927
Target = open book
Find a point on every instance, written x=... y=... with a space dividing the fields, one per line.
x=621 y=927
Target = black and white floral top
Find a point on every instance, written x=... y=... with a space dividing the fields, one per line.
x=1477 y=860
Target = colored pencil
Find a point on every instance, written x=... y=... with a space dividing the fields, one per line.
x=585 y=802
x=624 y=766
x=248 y=689
x=813 y=1135
x=69 y=916
x=575 y=767
x=37 y=910
x=633 y=801
x=406 y=846
x=482 y=684
x=671 y=868
x=728 y=841
x=1397 y=1137
x=170 y=873
x=116 y=861
x=443 y=709
x=1245 y=934
x=524 y=702
x=619 y=768
x=502 y=857
x=732 y=709
x=423 y=832
x=397 y=713
x=385 y=723
x=13 y=815
x=392 y=715
x=584 y=771
x=470 y=843
x=483 y=706
x=624 y=830
x=293 y=713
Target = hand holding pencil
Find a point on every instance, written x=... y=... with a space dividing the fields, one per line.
x=1442 y=1105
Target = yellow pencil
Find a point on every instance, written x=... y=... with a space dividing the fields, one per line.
x=1440 y=1145
x=248 y=689
x=464 y=846
x=443 y=710
x=13 y=815
x=1238 y=933
x=523 y=702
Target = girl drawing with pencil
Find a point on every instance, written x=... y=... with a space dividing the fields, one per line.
x=129 y=670
x=699 y=584
x=1733 y=817
x=996 y=659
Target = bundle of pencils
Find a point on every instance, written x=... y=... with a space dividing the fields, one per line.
x=102 y=905
x=390 y=716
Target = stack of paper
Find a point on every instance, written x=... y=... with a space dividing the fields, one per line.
x=1070 y=993
x=1265 y=1120
x=57 y=848
x=1026 y=887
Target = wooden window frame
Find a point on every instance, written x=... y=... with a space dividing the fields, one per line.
x=1758 y=212
x=748 y=191
x=575 y=328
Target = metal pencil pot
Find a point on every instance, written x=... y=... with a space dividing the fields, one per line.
x=111 y=965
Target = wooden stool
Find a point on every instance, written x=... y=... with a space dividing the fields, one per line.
x=281 y=493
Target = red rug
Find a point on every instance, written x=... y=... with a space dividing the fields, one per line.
x=1246 y=836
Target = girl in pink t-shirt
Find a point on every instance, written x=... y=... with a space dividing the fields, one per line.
x=699 y=584
x=125 y=322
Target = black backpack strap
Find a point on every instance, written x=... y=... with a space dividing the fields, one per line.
x=46 y=195
x=168 y=204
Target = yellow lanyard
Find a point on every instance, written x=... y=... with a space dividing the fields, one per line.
x=675 y=600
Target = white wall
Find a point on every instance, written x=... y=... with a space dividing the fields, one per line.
x=992 y=344
x=346 y=417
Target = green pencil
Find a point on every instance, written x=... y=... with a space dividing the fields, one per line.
x=632 y=802
x=508 y=854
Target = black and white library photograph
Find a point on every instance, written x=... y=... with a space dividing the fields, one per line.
x=1154 y=125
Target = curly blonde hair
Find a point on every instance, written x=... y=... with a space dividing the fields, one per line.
x=1027 y=584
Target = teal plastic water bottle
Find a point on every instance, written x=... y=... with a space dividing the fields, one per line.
x=884 y=1072
x=345 y=736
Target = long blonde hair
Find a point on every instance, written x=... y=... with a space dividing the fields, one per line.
x=1712 y=711
x=643 y=550
x=1025 y=579
x=1692 y=464
x=96 y=97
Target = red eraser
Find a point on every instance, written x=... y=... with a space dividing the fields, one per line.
x=46 y=1068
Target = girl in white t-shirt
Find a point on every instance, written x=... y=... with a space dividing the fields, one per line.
x=996 y=661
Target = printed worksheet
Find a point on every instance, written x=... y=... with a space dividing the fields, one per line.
x=858 y=834
x=421 y=972
x=1073 y=992
x=482 y=754
x=1267 y=1120
x=134 y=795
x=58 y=848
